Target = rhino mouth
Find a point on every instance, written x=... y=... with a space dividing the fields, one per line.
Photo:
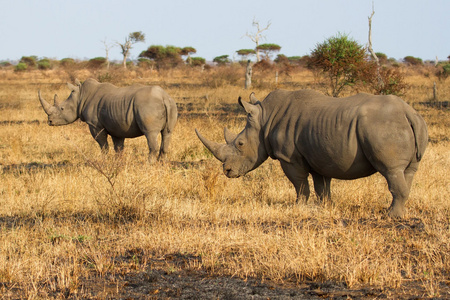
x=230 y=173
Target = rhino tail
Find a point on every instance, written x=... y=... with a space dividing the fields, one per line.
x=420 y=132
x=171 y=113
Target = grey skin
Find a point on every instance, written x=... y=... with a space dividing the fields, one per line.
x=343 y=138
x=124 y=112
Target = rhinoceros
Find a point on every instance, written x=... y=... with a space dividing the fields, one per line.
x=121 y=112
x=343 y=138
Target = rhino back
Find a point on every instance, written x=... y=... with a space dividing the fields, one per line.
x=119 y=110
x=338 y=137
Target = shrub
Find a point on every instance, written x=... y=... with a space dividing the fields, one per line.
x=414 y=61
x=197 y=61
x=30 y=61
x=67 y=62
x=96 y=63
x=21 y=67
x=443 y=71
x=340 y=60
x=44 y=64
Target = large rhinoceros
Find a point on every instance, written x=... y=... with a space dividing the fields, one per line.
x=124 y=112
x=343 y=138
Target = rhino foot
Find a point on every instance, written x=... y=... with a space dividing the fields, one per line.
x=396 y=212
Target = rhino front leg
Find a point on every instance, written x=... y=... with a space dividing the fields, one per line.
x=118 y=144
x=101 y=137
x=322 y=187
x=299 y=178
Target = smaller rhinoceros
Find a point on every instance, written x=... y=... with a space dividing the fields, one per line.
x=343 y=138
x=124 y=112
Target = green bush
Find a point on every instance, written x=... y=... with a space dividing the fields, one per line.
x=67 y=62
x=30 y=61
x=21 y=67
x=96 y=63
x=414 y=61
x=44 y=64
x=197 y=61
x=339 y=59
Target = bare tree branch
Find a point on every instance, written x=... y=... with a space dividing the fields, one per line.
x=369 y=47
x=256 y=37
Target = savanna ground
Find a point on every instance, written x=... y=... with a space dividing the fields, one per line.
x=76 y=224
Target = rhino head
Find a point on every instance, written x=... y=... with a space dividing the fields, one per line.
x=245 y=151
x=65 y=112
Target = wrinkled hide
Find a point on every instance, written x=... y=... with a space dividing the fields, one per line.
x=122 y=113
x=343 y=138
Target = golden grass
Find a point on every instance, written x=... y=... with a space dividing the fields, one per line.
x=67 y=213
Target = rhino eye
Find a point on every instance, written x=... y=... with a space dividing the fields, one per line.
x=240 y=143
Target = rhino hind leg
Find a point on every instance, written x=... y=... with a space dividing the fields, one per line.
x=166 y=137
x=399 y=188
x=152 y=141
x=322 y=187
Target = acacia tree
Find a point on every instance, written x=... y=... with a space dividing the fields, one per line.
x=168 y=56
x=340 y=60
x=245 y=53
x=268 y=49
x=130 y=40
x=187 y=51
x=256 y=37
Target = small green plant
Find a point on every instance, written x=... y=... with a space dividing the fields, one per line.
x=97 y=62
x=20 y=67
x=197 y=61
x=44 y=64
x=413 y=61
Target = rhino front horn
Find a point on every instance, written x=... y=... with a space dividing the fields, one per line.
x=214 y=147
x=45 y=105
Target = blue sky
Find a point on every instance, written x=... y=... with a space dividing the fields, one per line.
x=59 y=28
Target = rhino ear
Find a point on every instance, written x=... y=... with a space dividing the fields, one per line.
x=253 y=99
x=71 y=86
x=249 y=108
x=77 y=82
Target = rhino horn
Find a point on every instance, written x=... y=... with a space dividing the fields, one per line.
x=55 y=100
x=45 y=105
x=215 y=148
x=229 y=136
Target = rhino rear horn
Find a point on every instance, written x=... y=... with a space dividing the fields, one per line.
x=229 y=136
x=55 y=100
x=215 y=148
x=45 y=105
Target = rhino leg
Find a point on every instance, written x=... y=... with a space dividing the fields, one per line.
x=322 y=187
x=165 y=141
x=152 y=141
x=101 y=137
x=118 y=144
x=398 y=186
x=299 y=178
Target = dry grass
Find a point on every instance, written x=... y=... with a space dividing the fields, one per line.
x=68 y=214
